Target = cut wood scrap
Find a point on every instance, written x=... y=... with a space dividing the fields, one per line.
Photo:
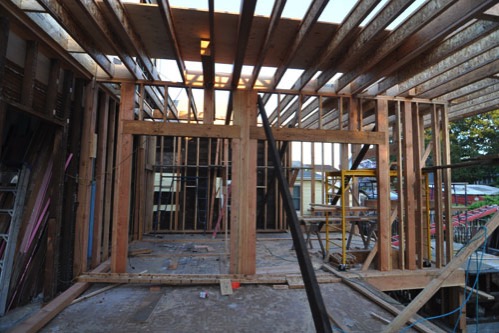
x=436 y=283
x=357 y=285
x=380 y=318
x=337 y=323
x=482 y=296
x=226 y=287
x=173 y=264
x=280 y=287
x=94 y=293
x=133 y=253
x=48 y=312
x=295 y=282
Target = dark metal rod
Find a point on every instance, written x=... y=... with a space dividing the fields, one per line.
x=317 y=307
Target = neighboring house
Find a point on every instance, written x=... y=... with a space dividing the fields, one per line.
x=466 y=194
x=309 y=187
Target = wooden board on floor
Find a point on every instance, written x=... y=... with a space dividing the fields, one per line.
x=49 y=311
x=226 y=287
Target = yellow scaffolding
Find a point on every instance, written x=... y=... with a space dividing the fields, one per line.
x=344 y=177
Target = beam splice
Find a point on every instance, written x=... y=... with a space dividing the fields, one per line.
x=317 y=307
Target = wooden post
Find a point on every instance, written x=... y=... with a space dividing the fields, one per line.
x=123 y=167
x=53 y=87
x=243 y=204
x=446 y=175
x=209 y=106
x=110 y=174
x=100 y=179
x=437 y=188
x=151 y=161
x=418 y=144
x=383 y=178
x=398 y=134
x=140 y=185
x=409 y=186
x=30 y=62
x=85 y=180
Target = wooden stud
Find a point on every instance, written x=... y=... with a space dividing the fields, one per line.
x=409 y=186
x=437 y=188
x=85 y=180
x=383 y=173
x=417 y=140
x=446 y=174
x=151 y=161
x=121 y=202
x=243 y=205
x=100 y=178
x=110 y=174
x=397 y=133
x=30 y=63
x=53 y=87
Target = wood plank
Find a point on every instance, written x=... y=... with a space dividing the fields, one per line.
x=53 y=87
x=30 y=63
x=100 y=178
x=409 y=187
x=437 y=187
x=243 y=196
x=318 y=135
x=123 y=167
x=383 y=175
x=226 y=287
x=436 y=283
x=447 y=184
x=37 y=321
x=418 y=144
x=136 y=127
x=110 y=174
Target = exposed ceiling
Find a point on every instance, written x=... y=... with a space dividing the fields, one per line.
x=446 y=49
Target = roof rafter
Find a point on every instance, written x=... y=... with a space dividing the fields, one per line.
x=443 y=50
x=274 y=21
x=434 y=28
x=473 y=55
x=470 y=89
x=367 y=39
x=461 y=81
x=166 y=15
x=61 y=15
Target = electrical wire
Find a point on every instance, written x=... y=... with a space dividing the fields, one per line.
x=467 y=298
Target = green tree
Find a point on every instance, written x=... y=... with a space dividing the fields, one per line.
x=473 y=137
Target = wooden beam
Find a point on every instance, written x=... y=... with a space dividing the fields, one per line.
x=30 y=63
x=437 y=186
x=317 y=135
x=110 y=176
x=436 y=80
x=418 y=144
x=38 y=320
x=269 y=33
x=243 y=33
x=243 y=187
x=439 y=19
x=63 y=17
x=409 y=187
x=85 y=180
x=460 y=40
x=18 y=17
x=447 y=186
x=437 y=283
x=469 y=89
x=313 y=13
x=364 y=41
x=181 y=129
x=100 y=178
x=123 y=168
x=383 y=178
